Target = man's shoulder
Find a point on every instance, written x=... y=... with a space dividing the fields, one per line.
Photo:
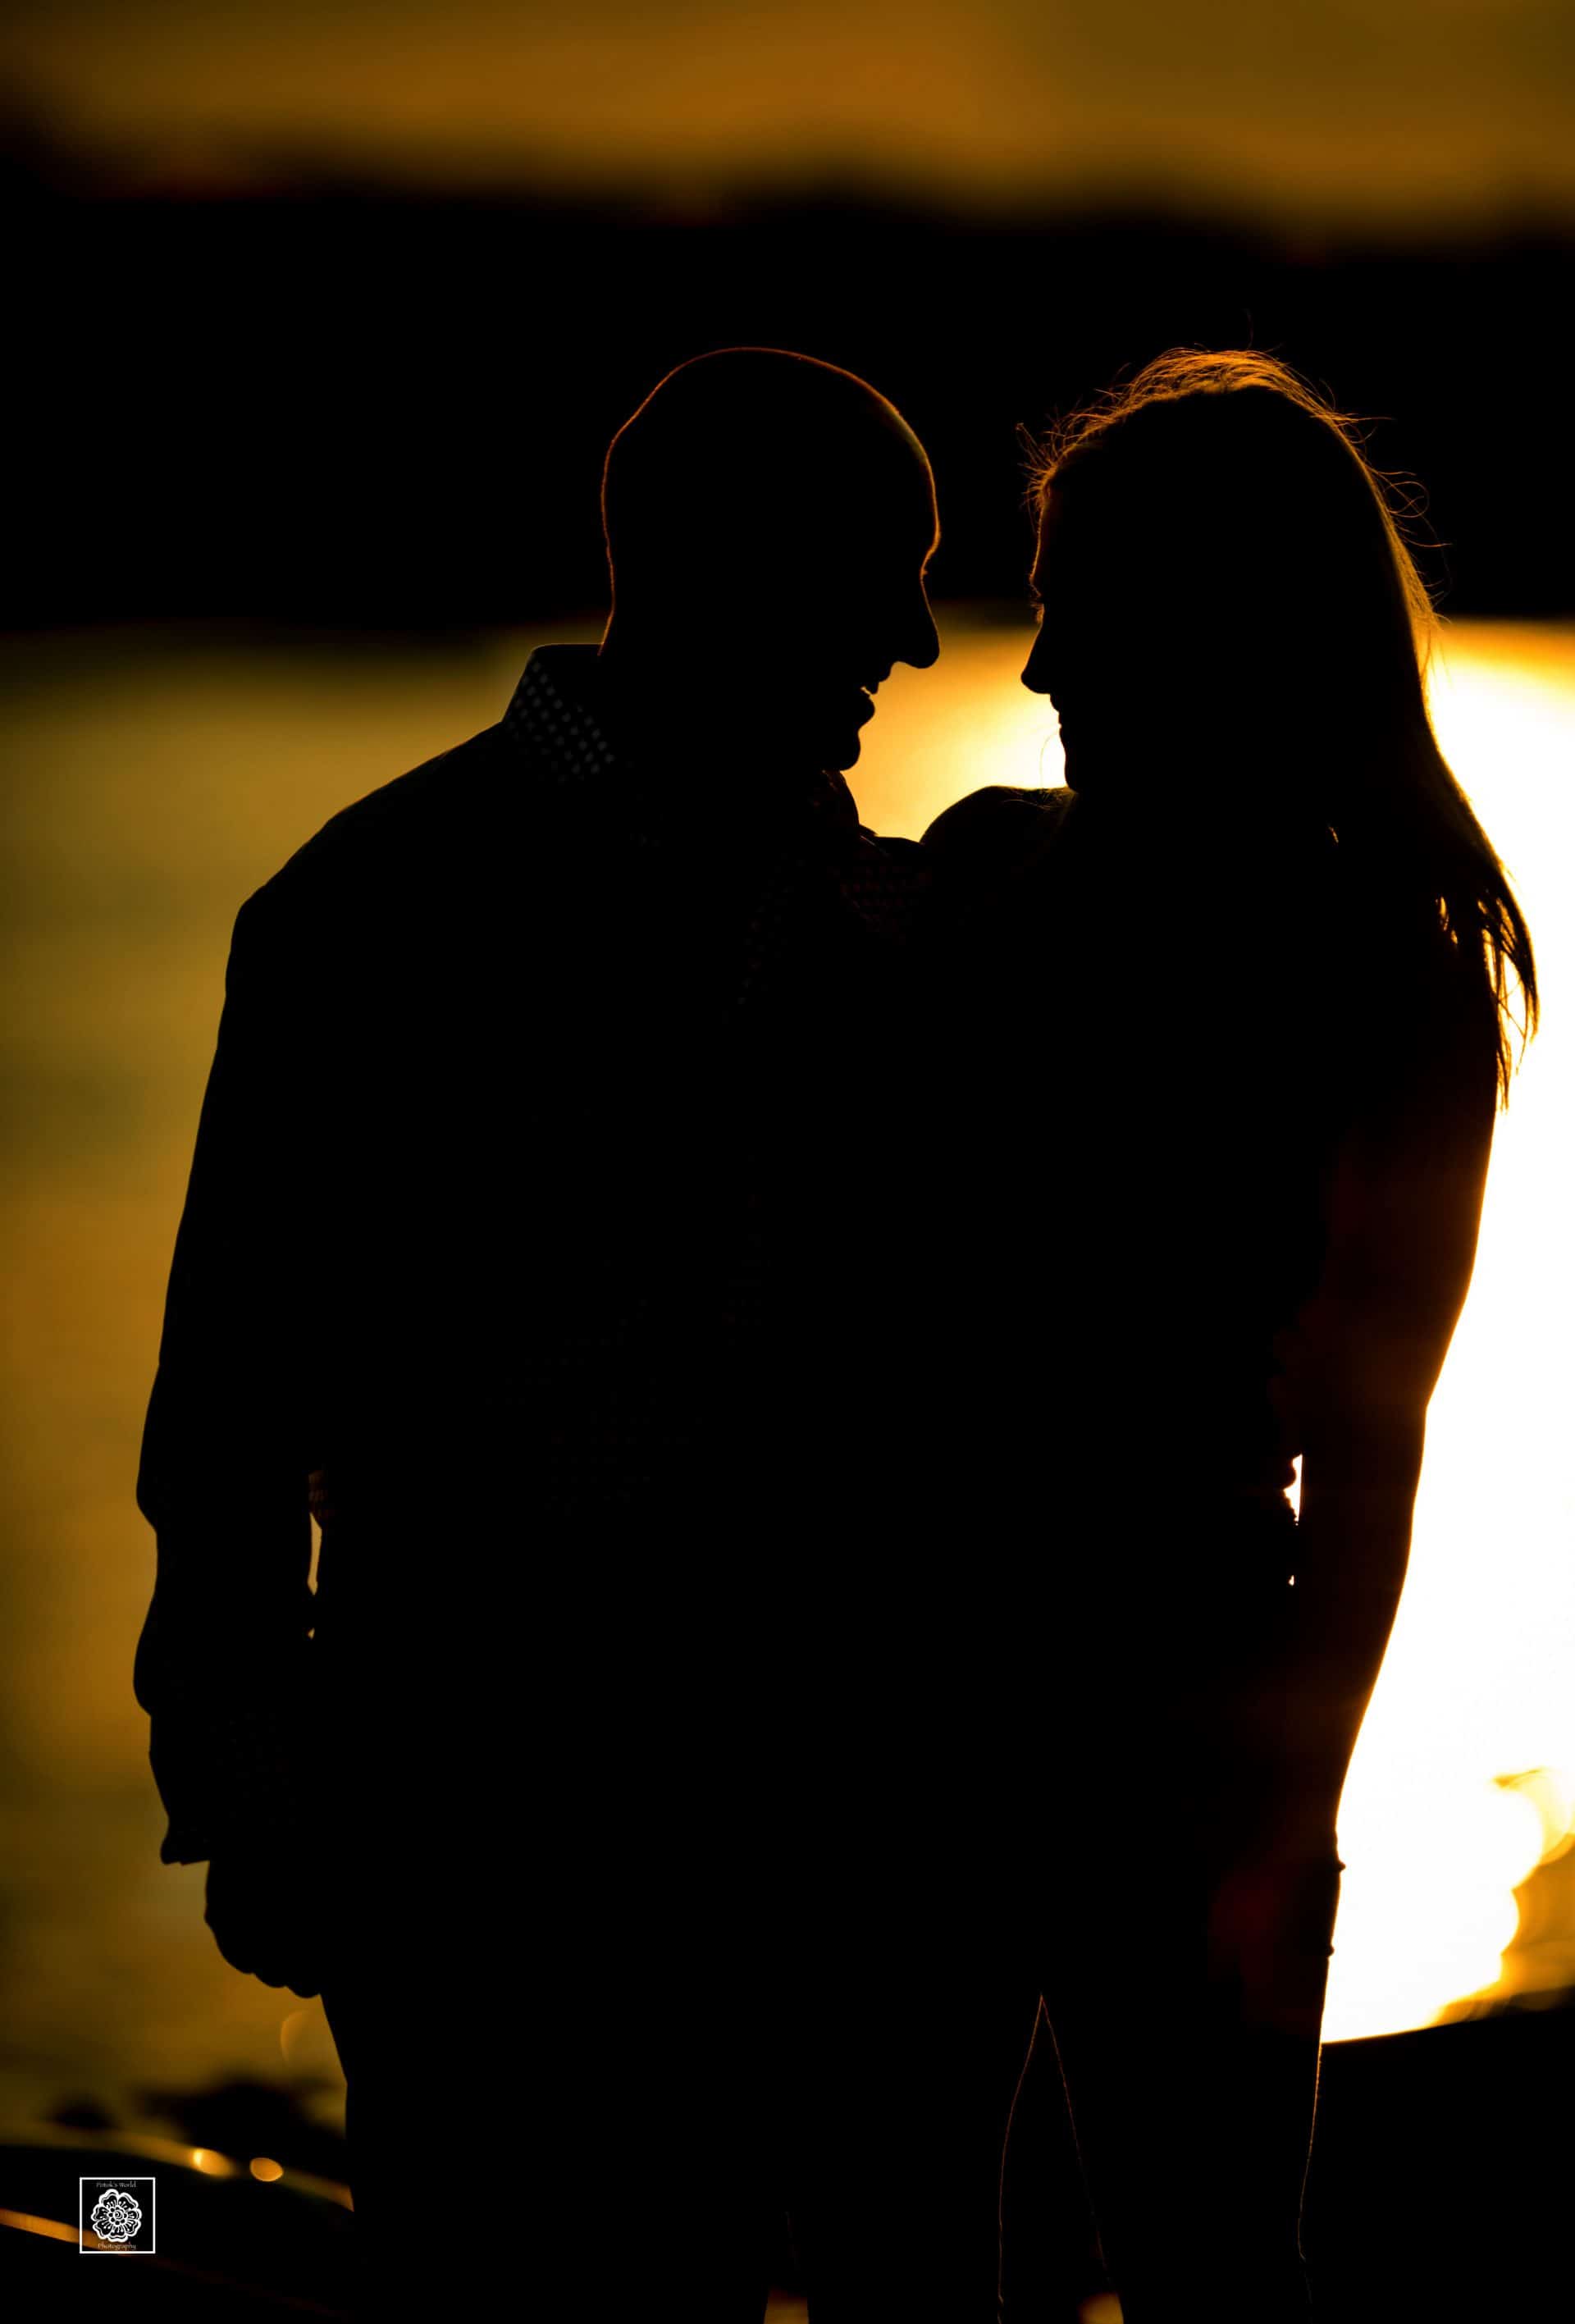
x=406 y=827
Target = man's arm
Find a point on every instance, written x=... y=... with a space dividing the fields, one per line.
x=221 y=1665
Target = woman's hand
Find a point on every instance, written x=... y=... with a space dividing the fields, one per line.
x=1271 y=1929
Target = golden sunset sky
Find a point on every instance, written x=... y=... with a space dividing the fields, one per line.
x=1361 y=113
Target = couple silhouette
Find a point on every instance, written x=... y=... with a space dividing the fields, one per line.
x=796 y=1341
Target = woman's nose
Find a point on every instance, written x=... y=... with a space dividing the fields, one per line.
x=1036 y=670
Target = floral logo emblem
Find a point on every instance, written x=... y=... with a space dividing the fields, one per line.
x=116 y=2217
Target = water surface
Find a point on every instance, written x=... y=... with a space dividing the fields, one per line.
x=154 y=779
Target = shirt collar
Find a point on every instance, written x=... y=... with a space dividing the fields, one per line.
x=552 y=716
x=558 y=721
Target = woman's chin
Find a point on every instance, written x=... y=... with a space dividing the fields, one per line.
x=1135 y=762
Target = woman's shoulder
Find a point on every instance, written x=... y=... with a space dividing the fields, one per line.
x=1419 y=1015
x=997 y=831
x=1452 y=1014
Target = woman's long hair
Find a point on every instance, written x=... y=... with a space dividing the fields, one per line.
x=1232 y=475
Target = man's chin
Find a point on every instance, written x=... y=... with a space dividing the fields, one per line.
x=829 y=745
x=843 y=742
x=840 y=752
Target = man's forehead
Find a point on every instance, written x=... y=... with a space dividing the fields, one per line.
x=887 y=476
x=872 y=516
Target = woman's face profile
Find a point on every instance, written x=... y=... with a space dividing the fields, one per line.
x=1055 y=651
x=1091 y=658
x=1162 y=628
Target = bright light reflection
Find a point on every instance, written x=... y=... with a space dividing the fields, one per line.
x=291 y=2029
x=1475 y=1686
x=212 y=2165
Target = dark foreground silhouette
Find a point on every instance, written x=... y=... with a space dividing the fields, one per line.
x=1437 y=2190
x=1227 y=1015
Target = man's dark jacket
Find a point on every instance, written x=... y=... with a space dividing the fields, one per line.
x=520 y=1244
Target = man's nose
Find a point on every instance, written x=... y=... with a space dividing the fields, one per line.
x=921 y=643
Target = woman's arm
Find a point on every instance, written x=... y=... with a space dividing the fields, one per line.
x=1360 y=1366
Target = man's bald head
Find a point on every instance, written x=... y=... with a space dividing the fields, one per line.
x=774 y=514
x=726 y=435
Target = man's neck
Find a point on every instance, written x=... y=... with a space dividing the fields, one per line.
x=665 y=707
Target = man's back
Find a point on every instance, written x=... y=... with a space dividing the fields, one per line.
x=518 y=1204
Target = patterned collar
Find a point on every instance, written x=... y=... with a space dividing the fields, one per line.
x=559 y=718
x=551 y=718
x=556 y=722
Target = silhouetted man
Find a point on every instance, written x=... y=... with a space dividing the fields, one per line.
x=519 y=1245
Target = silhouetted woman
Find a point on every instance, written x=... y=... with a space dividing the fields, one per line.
x=1233 y=1012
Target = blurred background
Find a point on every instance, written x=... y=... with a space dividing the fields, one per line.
x=323 y=313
